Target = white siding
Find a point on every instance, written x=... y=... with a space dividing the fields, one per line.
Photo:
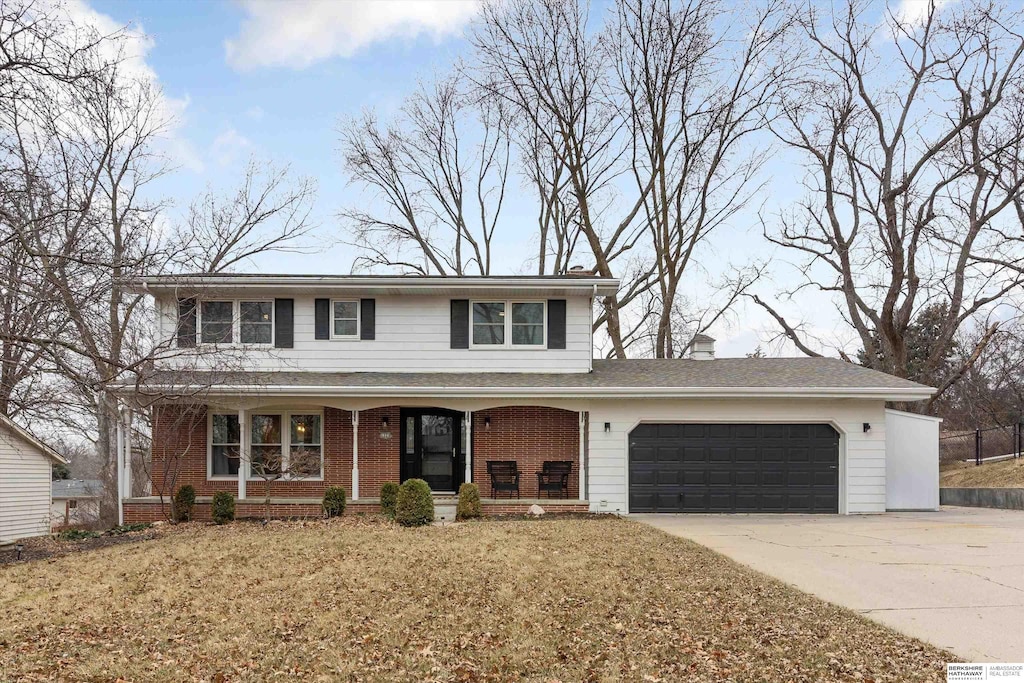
x=912 y=461
x=862 y=455
x=24 y=489
x=412 y=335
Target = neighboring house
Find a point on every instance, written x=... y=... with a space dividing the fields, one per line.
x=25 y=473
x=383 y=378
x=75 y=502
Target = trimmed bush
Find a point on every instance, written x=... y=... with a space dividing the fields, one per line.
x=334 y=501
x=223 y=508
x=415 y=506
x=184 y=501
x=469 y=502
x=388 y=498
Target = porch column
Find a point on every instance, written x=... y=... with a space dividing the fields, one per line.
x=119 y=444
x=127 y=417
x=243 y=452
x=584 y=419
x=355 y=455
x=469 y=446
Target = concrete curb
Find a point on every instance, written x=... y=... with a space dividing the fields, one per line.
x=1003 y=499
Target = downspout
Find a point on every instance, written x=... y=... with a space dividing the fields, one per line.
x=593 y=297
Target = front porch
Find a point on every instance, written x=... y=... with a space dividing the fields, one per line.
x=216 y=447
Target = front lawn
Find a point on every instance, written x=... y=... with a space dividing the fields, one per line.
x=546 y=600
x=1000 y=474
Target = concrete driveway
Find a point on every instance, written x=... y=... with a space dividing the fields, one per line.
x=954 y=578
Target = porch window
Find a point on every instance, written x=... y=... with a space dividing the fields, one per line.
x=225 y=445
x=489 y=323
x=266 y=446
x=346 y=320
x=305 y=454
x=256 y=322
x=217 y=322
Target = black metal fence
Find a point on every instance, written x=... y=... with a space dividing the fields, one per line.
x=981 y=444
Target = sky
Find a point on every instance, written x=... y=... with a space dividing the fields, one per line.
x=271 y=80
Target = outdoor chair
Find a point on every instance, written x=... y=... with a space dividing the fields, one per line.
x=504 y=477
x=554 y=478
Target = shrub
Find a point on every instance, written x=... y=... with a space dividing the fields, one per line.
x=77 y=534
x=388 y=498
x=415 y=506
x=334 y=501
x=223 y=508
x=469 y=502
x=184 y=501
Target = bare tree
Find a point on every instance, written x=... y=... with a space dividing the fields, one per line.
x=440 y=172
x=912 y=132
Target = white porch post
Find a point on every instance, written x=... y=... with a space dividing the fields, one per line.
x=469 y=446
x=583 y=454
x=243 y=454
x=355 y=455
x=127 y=449
x=119 y=443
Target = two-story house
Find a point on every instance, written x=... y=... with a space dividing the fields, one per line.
x=371 y=379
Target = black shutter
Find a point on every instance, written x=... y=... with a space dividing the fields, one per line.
x=556 y=323
x=322 y=319
x=186 y=331
x=460 y=323
x=367 y=318
x=284 y=323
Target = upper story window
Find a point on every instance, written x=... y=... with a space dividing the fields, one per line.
x=228 y=322
x=493 y=327
x=345 y=323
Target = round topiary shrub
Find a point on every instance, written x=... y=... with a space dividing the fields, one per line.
x=415 y=506
x=223 y=507
x=388 y=498
x=183 y=503
x=469 y=502
x=334 y=501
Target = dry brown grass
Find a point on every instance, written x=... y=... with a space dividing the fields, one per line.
x=548 y=600
x=1002 y=474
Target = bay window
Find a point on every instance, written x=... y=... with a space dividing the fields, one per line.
x=525 y=326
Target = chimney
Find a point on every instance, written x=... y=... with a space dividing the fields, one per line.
x=580 y=271
x=702 y=348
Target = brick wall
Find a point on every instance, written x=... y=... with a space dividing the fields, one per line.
x=379 y=458
x=529 y=435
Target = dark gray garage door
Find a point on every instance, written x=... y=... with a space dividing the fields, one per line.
x=734 y=468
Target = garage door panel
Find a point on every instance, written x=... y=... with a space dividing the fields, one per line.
x=734 y=468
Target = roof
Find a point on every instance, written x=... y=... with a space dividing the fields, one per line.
x=568 y=285
x=16 y=429
x=703 y=338
x=77 y=488
x=610 y=378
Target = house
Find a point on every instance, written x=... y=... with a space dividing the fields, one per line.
x=75 y=502
x=26 y=464
x=361 y=380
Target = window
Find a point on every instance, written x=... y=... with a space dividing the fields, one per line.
x=524 y=327
x=72 y=504
x=489 y=324
x=266 y=445
x=256 y=322
x=305 y=454
x=346 y=320
x=225 y=446
x=217 y=322
x=527 y=324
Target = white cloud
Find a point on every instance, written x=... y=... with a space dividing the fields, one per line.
x=255 y=113
x=303 y=32
x=228 y=146
x=916 y=11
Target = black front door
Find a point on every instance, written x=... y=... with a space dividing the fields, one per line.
x=431 y=447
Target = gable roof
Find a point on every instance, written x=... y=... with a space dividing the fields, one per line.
x=11 y=426
x=724 y=377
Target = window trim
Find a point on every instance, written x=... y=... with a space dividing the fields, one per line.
x=286 y=441
x=509 y=303
x=359 y=320
x=236 y=323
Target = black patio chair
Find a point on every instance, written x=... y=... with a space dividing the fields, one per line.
x=554 y=478
x=504 y=477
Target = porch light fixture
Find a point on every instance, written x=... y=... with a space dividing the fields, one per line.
x=607 y=427
x=385 y=431
x=867 y=427
x=487 y=421
x=384 y=422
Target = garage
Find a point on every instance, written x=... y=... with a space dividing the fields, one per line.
x=734 y=468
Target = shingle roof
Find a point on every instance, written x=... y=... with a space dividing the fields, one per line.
x=77 y=488
x=722 y=373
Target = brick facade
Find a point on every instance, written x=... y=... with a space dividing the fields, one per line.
x=527 y=434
